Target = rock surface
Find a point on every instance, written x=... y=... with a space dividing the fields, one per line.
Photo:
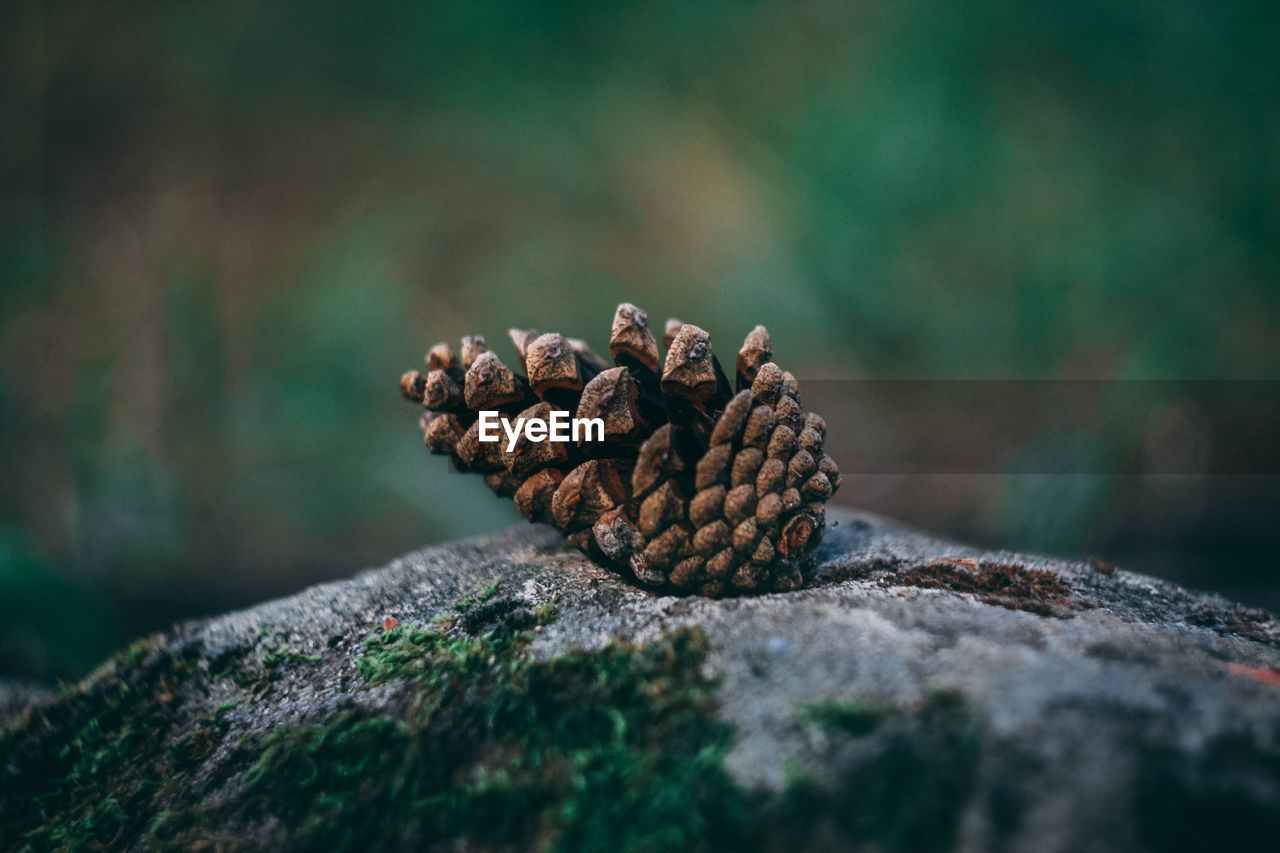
x=1104 y=709
x=15 y=696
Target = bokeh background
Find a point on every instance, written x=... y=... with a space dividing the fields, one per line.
x=226 y=228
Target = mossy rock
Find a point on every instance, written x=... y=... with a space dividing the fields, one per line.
x=506 y=693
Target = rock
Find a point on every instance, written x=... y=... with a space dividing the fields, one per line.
x=15 y=696
x=917 y=694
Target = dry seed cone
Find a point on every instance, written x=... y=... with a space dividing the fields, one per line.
x=698 y=485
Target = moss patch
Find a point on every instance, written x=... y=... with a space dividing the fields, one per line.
x=1220 y=795
x=255 y=665
x=468 y=739
x=1251 y=623
x=1005 y=585
x=478 y=740
x=84 y=770
x=614 y=749
x=902 y=777
x=846 y=717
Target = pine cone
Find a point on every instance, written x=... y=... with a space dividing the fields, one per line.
x=694 y=488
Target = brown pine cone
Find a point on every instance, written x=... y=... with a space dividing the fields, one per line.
x=688 y=487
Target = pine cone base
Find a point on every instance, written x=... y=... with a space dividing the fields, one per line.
x=691 y=486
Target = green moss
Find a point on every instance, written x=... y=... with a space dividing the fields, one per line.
x=280 y=655
x=606 y=750
x=473 y=741
x=487 y=593
x=98 y=767
x=1221 y=795
x=846 y=717
x=255 y=665
x=231 y=664
x=613 y=749
x=100 y=738
x=546 y=614
x=904 y=788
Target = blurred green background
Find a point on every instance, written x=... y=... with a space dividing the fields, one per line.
x=226 y=228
